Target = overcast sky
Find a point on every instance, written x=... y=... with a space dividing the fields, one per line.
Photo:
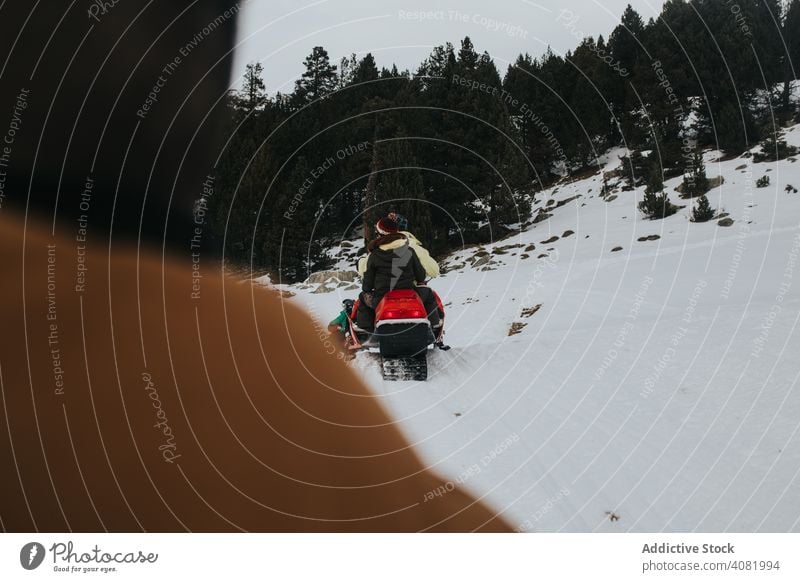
x=281 y=33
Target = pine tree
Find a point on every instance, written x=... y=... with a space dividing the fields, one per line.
x=590 y=110
x=371 y=212
x=254 y=91
x=773 y=147
x=700 y=177
x=767 y=42
x=625 y=48
x=396 y=184
x=551 y=131
x=466 y=135
x=634 y=168
x=696 y=183
x=237 y=203
x=624 y=42
x=791 y=27
x=791 y=34
x=751 y=57
x=347 y=71
x=293 y=245
x=319 y=78
x=655 y=178
x=467 y=57
x=734 y=126
x=703 y=211
x=791 y=58
x=366 y=70
x=656 y=204
x=510 y=201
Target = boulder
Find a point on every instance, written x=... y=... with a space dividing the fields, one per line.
x=712 y=183
x=528 y=311
x=326 y=277
x=516 y=328
x=561 y=203
x=482 y=261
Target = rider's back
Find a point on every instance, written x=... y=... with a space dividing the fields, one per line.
x=391 y=264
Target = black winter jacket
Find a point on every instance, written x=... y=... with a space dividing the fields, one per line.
x=392 y=264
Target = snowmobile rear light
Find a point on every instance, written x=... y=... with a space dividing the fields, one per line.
x=402 y=314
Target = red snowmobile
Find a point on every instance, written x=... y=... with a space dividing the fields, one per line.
x=402 y=334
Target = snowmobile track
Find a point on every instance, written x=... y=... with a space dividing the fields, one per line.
x=412 y=369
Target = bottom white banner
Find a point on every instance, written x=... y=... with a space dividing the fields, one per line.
x=390 y=557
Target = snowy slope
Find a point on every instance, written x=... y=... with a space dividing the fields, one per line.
x=657 y=386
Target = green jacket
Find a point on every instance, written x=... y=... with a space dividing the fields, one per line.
x=340 y=321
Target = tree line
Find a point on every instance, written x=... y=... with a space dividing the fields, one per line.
x=461 y=151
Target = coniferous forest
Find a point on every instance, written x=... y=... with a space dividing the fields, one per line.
x=461 y=147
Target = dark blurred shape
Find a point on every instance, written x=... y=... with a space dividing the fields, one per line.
x=121 y=112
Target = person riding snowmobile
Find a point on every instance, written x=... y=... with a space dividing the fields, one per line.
x=339 y=324
x=392 y=262
x=429 y=264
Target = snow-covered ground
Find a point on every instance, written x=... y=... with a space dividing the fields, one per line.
x=656 y=388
